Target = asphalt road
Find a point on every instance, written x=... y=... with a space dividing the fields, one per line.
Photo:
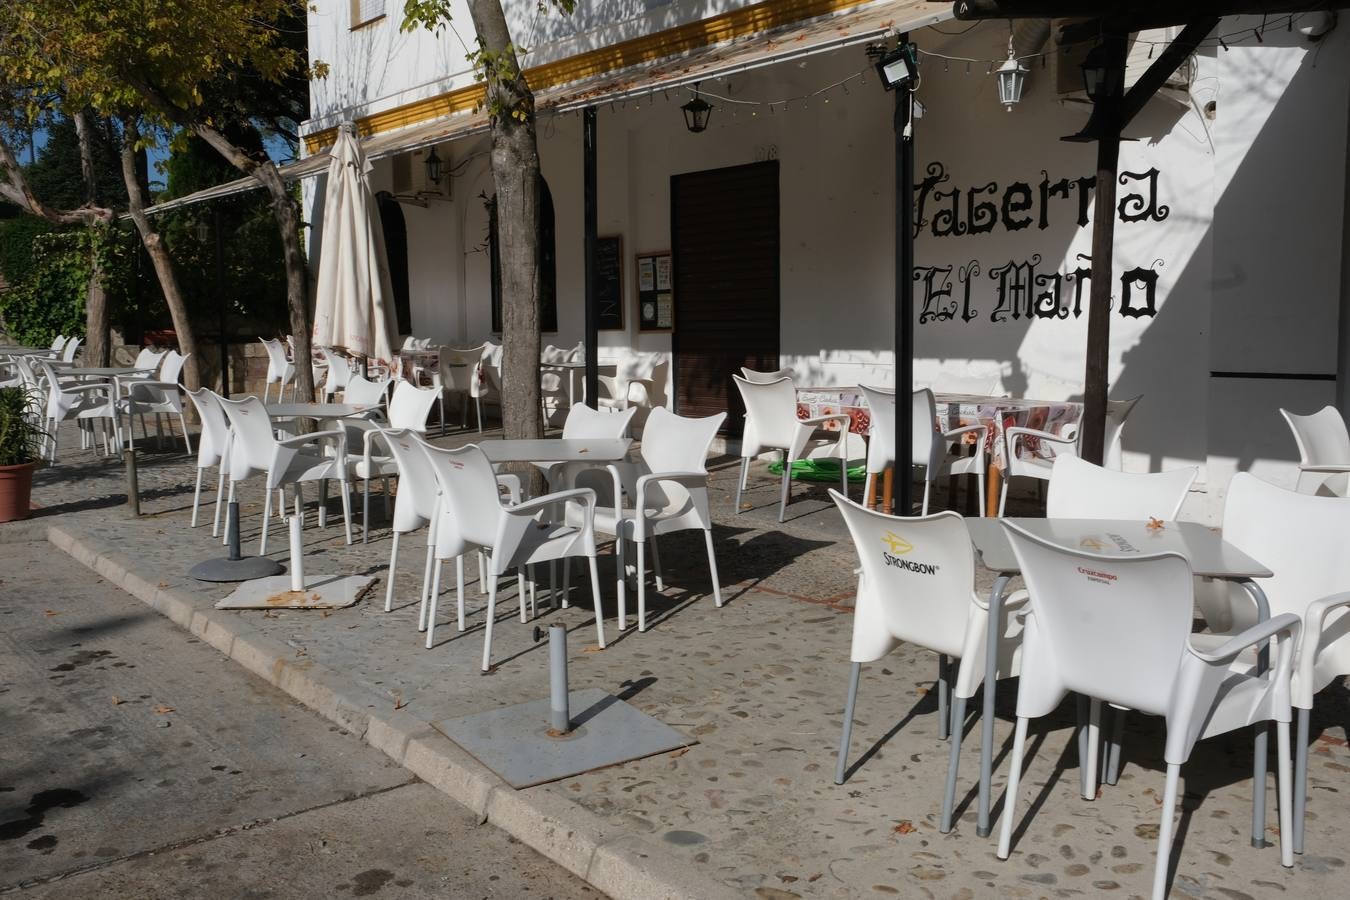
x=138 y=762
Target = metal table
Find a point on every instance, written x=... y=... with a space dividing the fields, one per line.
x=99 y=371
x=1209 y=555
x=556 y=450
x=314 y=410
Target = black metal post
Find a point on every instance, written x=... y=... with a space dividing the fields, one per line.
x=904 y=300
x=591 y=226
x=220 y=306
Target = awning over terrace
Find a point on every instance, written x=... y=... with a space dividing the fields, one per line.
x=808 y=37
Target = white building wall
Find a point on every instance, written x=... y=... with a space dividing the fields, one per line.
x=1246 y=254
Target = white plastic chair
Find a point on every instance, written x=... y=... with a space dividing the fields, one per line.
x=1118 y=628
x=414 y=507
x=472 y=516
x=71 y=347
x=771 y=423
x=58 y=342
x=669 y=488
x=408 y=411
x=212 y=444
x=930 y=449
x=766 y=377
x=280 y=370
x=461 y=373
x=255 y=450
x=917 y=584
x=1301 y=538
x=162 y=396
x=361 y=391
x=581 y=423
x=1323 y=450
x=339 y=374
x=1050 y=446
x=85 y=402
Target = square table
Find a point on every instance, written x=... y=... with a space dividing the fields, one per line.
x=1209 y=555
x=597 y=450
x=315 y=410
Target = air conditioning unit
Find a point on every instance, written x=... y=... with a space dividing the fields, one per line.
x=1144 y=48
x=411 y=183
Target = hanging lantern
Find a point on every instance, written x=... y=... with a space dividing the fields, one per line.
x=696 y=112
x=1100 y=78
x=1012 y=77
x=433 y=164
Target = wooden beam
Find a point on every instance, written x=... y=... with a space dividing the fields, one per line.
x=1161 y=12
x=1156 y=75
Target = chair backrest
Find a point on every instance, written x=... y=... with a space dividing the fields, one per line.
x=584 y=422
x=1080 y=490
x=339 y=370
x=1111 y=627
x=1321 y=437
x=26 y=373
x=552 y=354
x=770 y=414
x=171 y=367
x=917 y=577
x=765 y=377
x=881 y=435
x=215 y=433
x=492 y=367
x=276 y=358
x=470 y=506
x=415 y=503
x=410 y=406
x=1301 y=538
x=253 y=442
x=459 y=367
x=1117 y=411
x=58 y=342
x=672 y=443
x=575 y=354
x=361 y=391
x=148 y=358
x=71 y=348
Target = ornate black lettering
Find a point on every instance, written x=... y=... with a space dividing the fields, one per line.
x=1048 y=303
x=937 y=288
x=1051 y=189
x=1014 y=291
x=1080 y=276
x=982 y=216
x=937 y=174
x=1016 y=199
x=947 y=220
x=1085 y=186
x=1134 y=207
x=966 y=276
x=1147 y=307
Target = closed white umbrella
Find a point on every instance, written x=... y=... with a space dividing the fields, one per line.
x=354 y=309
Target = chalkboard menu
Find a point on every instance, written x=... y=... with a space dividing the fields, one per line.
x=609 y=278
x=656 y=292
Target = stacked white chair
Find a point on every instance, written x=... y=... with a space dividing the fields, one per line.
x=471 y=516
x=1118 y=628
x=771 y=423
x=669 y=489
x=254 y=450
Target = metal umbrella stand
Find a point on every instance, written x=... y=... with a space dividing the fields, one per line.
x=235 y=566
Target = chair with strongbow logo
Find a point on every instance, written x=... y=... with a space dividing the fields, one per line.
x=771 y=423
x=1031 y=453
x=1118 y=628
x=1080 y=490
x=917 y=584
x=470 y=516
x=931 y=449
x=1301 y=538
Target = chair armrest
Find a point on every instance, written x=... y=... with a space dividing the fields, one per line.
x=316 y=437
x=1259 y=633
x=512 y=484
x=585 y=496
x=818 y=421
x=1013 y=599
x=688 y=479
x=104 y=386
x=1310 y=642
x=955 y=433
x=1014 y=435
x=1327 y=469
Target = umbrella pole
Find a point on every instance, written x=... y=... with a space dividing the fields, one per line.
x=591 y=225
x=904 y=297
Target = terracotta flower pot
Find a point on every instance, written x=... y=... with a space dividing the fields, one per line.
x=16 y=490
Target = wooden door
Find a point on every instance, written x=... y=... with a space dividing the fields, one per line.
x=724 y=244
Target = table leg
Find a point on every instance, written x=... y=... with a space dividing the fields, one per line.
x=870 y=495
x=995 y=486
x=983 y=826
x=1262 y=738
x=887 y=486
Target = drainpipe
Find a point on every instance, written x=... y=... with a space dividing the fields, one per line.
x=1343 y=329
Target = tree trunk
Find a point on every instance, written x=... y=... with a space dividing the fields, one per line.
x=14 y=188
x=159 y=256
x=96 y=339
x=515 y=173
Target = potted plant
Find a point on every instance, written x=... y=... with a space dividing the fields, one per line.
x=20 y=450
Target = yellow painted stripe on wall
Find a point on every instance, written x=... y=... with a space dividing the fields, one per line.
x=714 y=30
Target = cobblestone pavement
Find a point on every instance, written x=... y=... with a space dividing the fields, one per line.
x=760 y=683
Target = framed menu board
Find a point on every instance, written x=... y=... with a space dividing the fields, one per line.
x=656 y=292
x=609 y=276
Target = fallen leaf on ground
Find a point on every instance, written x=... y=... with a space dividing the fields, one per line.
x=680 y=752
x=163 y=710
x=399 y=703
x=593 y=649
x=905 y=827
x=269 y=614
x=300 y=651
x=117 y=701
x=50 y=612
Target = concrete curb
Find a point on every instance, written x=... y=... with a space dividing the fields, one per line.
x=622 y=865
